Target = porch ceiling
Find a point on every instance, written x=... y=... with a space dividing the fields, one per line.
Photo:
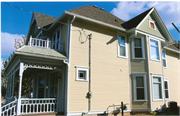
x=41 y=52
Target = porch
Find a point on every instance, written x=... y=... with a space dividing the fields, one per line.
x=36 y=85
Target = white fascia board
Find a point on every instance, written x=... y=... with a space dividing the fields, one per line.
x=171 y=50
x=96 y=21
x=164 y=25
x=145 y=18
x=144 y=33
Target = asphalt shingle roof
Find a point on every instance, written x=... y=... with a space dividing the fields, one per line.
x=136 y=20
x=99 y=14
x=41 y=51
x=43 y=20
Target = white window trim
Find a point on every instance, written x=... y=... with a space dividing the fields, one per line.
x=121 y=34
x=145 y=90
x=158 y=49
x=151 y=21
x=164 y=59
x=168 y=89
x=160 y=76
x=133 y=52
x=82 y=69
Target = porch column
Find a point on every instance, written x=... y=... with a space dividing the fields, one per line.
x=19 y=91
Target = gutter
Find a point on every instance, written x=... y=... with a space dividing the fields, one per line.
x=172 y=50
x=96 y=21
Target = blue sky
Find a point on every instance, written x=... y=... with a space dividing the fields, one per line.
x=15 y=22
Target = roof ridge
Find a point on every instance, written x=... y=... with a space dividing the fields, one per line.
x=43 y=14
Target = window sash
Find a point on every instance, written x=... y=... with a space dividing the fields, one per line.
x=137 y=48
x=154 y=49
x=164 y=59
x=157 y=88
x=166 y=90
x=139 y=87
x=122 y=46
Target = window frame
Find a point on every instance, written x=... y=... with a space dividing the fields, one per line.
x=164 y=59
x=159 y=76
x=86 y=69
x=125 y=36
x=145 y=89
x=166 y=80
x=152 y=21
x=142 y=46
x=151 y=51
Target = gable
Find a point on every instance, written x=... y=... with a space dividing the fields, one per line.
x=145 y=27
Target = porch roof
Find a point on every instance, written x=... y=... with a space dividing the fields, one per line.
x=39 y=51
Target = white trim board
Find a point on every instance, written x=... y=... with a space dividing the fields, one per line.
x=145 y=18
x=151 y=36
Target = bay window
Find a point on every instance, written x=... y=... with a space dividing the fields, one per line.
x=139 y=87
x=138 y=48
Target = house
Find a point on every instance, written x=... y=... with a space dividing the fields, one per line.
x=88 y=60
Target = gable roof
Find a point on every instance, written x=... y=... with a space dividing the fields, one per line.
x=98 y=14
x=136 y=20
x=43 y=20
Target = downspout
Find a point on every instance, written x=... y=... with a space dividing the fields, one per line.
x=68 y=63
x=163 y=78
x=148 y=74
x=130 y=73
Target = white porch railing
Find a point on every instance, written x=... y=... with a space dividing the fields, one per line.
x=46 y=44
x=39 y=105
x=9 y=109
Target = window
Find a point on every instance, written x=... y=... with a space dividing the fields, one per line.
x=154 y=50
x=164 y=59
x=138 y=48
x=157 y=87
x=122 y=46
x=166 y=88
x=56 y=39
x=152 y=25
x=139 y=87
x=82 y=73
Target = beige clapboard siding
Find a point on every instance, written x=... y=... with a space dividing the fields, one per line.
x=109 y=84
x=171 y=73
